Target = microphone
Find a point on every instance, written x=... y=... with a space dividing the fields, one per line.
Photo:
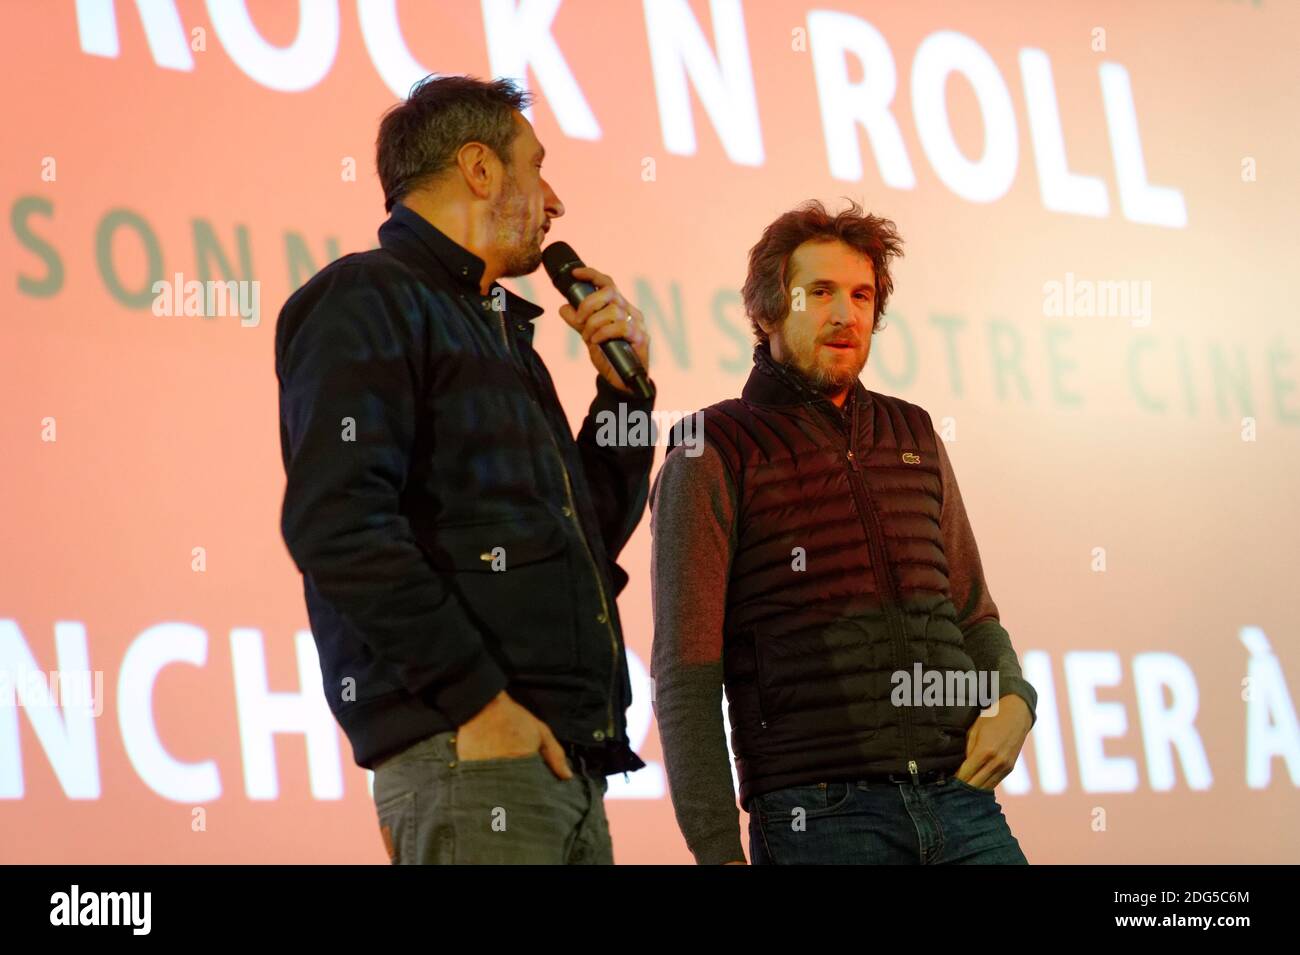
x=560 y=261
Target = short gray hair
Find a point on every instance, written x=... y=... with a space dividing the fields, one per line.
x=418 y=138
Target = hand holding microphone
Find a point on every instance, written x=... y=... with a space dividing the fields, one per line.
x=613 y=329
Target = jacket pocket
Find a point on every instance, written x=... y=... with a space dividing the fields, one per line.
x=762 y=700
x=944 y=644
x=517 y=587
x=945 y=652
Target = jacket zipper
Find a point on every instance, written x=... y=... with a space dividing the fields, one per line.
x=591 y=559
x=875 y=542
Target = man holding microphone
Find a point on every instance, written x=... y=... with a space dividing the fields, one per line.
x=457 y=543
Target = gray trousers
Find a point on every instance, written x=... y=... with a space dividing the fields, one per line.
x=436 y=810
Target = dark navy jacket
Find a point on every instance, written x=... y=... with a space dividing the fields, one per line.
x=454 y=538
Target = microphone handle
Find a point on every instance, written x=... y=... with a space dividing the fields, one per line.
x=618 y=351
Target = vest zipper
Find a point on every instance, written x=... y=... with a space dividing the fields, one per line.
x=586 y=547
x=875 y=543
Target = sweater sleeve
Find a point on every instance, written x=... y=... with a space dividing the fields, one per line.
x=692 y=523
x=987 y=641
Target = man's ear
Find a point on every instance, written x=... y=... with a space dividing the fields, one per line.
x=480 y=168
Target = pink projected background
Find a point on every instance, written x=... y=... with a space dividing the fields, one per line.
x=1096 y=307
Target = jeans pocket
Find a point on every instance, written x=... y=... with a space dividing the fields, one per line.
x=960 y=784
x=397 y=827
x=807 y=802
x=496 y=762
x=837 y=796
x=499 y=762
x=430 y=749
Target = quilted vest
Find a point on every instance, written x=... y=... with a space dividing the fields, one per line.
x=838 y=582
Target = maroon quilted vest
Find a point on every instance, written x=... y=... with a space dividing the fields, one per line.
x=838 y=582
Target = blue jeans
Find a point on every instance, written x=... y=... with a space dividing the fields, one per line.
x=881 y=823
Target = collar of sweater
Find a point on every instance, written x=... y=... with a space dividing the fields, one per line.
x=777 y=384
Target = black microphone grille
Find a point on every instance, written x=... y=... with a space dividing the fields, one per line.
x=559 y=260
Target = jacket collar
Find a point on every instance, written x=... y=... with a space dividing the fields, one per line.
x=420 y=244
x=775 y=384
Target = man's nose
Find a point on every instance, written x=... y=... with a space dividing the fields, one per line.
x=554 y=207
x=842 y=316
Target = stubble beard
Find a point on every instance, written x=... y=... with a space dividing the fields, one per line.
x=522 y=253
x=823 y=380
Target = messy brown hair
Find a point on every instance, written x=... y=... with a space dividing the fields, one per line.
x=766 y=294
